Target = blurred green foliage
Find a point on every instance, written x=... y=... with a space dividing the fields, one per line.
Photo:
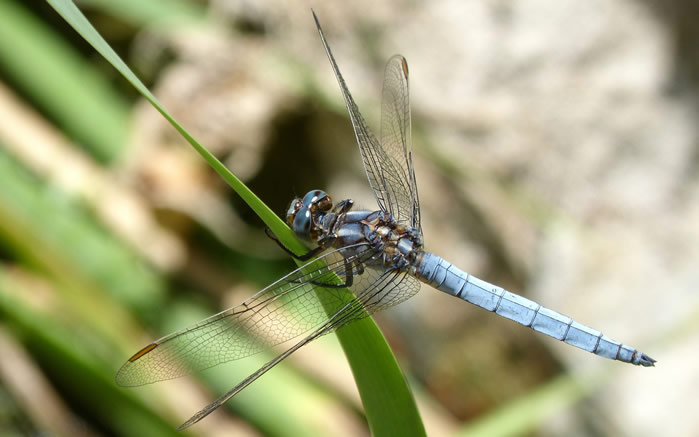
x=62 y=83
x=100 y=290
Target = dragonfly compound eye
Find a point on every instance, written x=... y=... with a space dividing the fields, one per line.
x=324 y=203
x=313 y=197
x=294 y=208
x=302 y=223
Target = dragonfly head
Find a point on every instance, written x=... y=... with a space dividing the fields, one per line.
x=302 y=212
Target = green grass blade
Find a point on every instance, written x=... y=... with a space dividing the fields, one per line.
x=102 y=263
x=75 y=367
x=386 y=396
x=78 y=21
x=81 y=100
x=168 y=13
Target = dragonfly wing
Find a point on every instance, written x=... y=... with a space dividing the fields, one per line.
x=382 y=170
x=291 y=306
x=396 y=137
x=380 y=290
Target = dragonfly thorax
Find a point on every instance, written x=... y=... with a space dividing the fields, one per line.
x=314 y=220
x=401 y=245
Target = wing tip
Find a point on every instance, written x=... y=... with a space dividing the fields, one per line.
x=143 y=352
x=125 y=376
x=315 y=17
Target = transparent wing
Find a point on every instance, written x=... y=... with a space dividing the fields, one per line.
x=387 y=173
x=380 y=290
x=291 y=306
x=395 y=135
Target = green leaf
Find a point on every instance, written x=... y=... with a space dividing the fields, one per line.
x=388 y=402
x=73 y=366
x=161 y=13
x=71 y=91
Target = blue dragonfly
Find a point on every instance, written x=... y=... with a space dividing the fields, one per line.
x=378 y=255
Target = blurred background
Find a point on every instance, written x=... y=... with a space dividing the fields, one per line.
x=557 y=155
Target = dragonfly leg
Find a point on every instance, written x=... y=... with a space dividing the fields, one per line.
x=322 y=244
x=343 y=206
x=349 y=278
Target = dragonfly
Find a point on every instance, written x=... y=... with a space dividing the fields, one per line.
x=378 y=256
